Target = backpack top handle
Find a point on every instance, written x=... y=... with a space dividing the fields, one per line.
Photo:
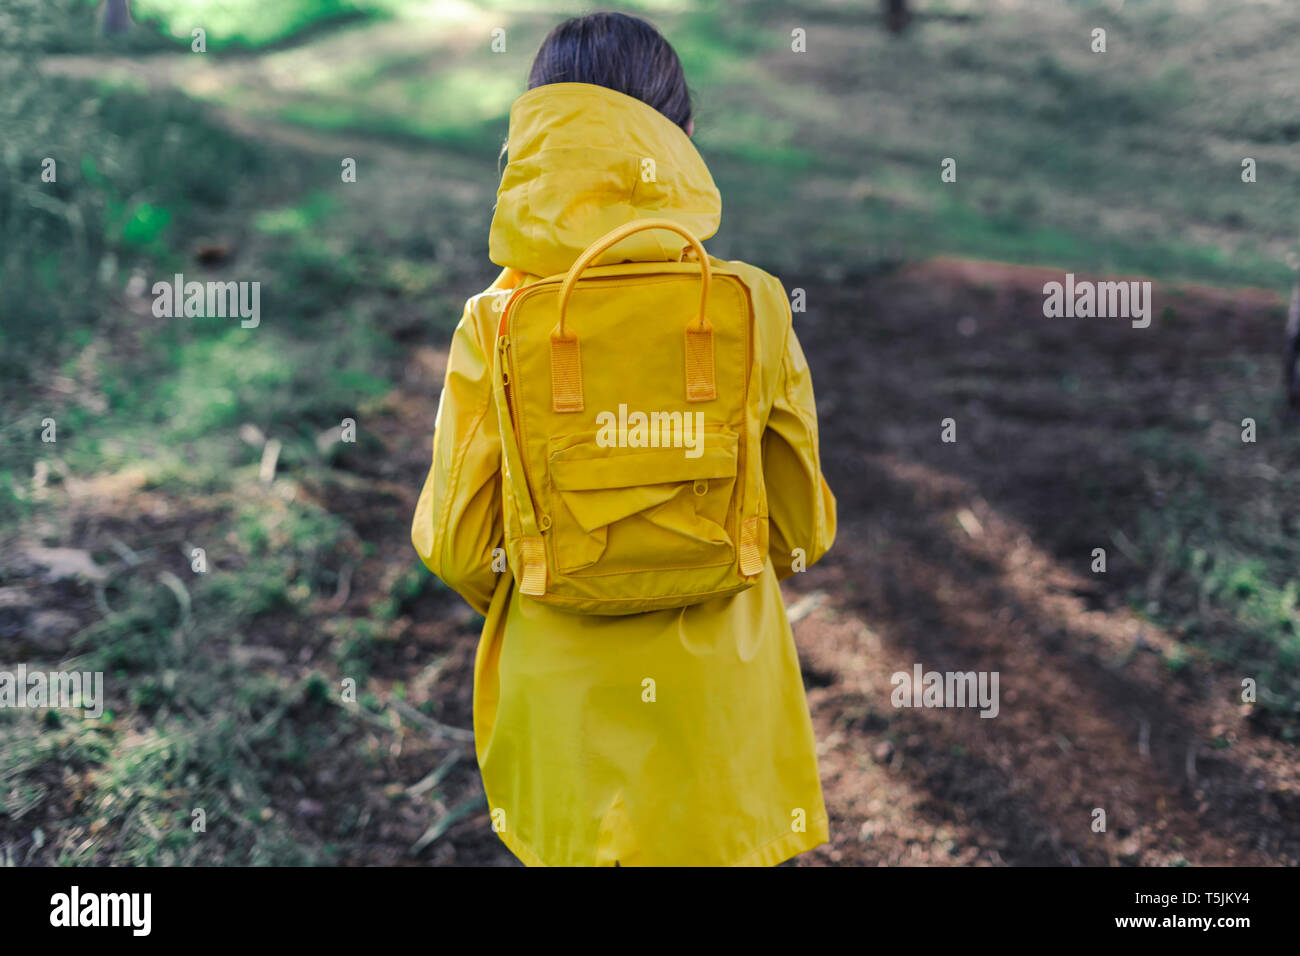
x=566 y=363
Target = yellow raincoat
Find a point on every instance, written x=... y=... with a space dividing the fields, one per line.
x=674 y=737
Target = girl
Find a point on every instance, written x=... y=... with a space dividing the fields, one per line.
x=673 y=737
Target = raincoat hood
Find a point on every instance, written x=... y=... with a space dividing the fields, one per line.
x=585 y=159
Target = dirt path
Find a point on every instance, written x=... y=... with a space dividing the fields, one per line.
x=970 y=558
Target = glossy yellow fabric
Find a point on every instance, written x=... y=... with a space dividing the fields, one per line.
x=674 y=737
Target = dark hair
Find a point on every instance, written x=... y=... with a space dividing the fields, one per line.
x=620 y=52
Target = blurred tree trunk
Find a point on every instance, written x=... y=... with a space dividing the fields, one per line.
x=1292 y=352
x=116 y=17
x=896 y=14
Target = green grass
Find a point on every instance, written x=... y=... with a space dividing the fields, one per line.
x=1128 y=159
x=1220 y=557
x=251 y=23
x=143 y=181
x=1094 y=161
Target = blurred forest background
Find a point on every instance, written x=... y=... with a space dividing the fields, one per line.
x=1120 y=690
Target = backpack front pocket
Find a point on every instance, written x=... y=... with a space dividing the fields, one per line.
x=642 y=509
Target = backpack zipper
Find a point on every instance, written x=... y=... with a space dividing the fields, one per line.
x=507 y=369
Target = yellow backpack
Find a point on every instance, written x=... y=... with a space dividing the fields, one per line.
x=628 y=404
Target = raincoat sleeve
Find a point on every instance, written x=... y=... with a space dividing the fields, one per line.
x=458 y=519
x=801 y=508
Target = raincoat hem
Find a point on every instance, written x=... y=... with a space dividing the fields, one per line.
x=787 y=845
x=521 y=850
x=769 y=854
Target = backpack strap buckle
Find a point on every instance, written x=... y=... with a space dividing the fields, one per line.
x=533 y=579
x=751 y=547
x=566 y=372
x=700 y=385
